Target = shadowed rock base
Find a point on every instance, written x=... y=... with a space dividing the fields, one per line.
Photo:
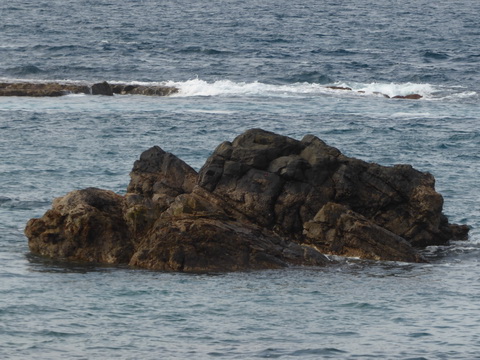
x=263 y=201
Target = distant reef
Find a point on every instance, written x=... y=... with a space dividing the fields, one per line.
x=408 y=97
x=263 y=201
x=52 y=89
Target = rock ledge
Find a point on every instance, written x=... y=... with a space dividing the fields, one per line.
x=52 y=89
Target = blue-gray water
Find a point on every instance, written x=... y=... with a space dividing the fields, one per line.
x=239 y=64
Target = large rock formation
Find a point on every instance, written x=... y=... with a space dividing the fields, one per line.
x=52 y=89
x=261 y=201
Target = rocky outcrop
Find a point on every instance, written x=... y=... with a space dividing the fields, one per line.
x=261 y=201
x=51 y=89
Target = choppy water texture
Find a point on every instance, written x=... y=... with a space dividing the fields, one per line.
x=239 y=64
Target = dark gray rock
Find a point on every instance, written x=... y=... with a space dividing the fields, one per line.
x=281 y=183
x=103 y=88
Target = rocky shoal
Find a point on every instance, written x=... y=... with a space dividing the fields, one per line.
x=263 y=201
x=52 y=89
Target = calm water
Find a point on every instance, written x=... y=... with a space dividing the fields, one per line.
x=239 y=64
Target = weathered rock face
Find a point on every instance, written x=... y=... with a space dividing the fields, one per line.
x=194 y=243
x=84 y=225
x=52 y=89
x=157 y=179
x=262 y=201
x=182 y=227
x=337 y=230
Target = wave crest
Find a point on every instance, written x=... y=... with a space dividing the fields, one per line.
x=198 y=87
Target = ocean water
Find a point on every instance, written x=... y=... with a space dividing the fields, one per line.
x=239 y=65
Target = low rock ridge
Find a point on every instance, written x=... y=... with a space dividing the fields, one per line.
x=263 y=201
x=52 y=89
x=407 y=97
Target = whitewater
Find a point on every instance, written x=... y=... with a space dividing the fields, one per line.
x=239 y=65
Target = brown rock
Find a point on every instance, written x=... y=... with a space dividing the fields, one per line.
x=57 y=89
x=339 y=88
x=200 y=244
x=41 y=89
x=410 y=97
x=459 y=232
x=157 y=178
x=381 y=94
x=84 y=225
x=159 y=172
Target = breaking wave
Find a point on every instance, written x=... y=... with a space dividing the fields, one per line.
x=198 y=87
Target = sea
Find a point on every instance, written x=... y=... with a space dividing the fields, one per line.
x=239 y=65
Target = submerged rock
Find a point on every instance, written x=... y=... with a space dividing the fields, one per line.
x=261 y=201
x=339 y=88
x=409 y=96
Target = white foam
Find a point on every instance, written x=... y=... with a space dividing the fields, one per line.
x=393 y=89
x=198 y=87
x=409 y=115
x=462 y=95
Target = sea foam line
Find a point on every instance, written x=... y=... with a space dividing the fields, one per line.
x=198 y=87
